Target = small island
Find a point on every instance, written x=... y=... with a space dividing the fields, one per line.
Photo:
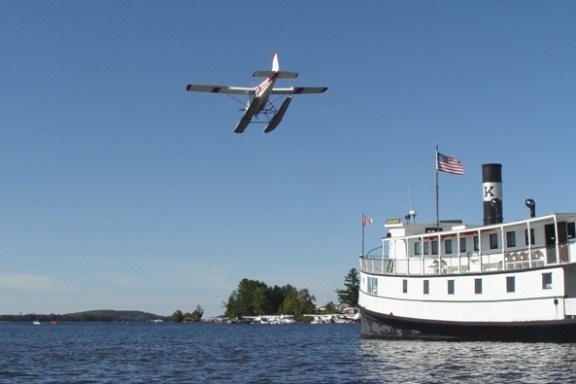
x=104 y=315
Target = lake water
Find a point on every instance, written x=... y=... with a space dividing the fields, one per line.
x=295 y=353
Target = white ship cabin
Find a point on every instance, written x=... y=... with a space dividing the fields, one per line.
x=454 y=248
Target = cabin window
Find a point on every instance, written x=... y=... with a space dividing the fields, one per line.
x=448 y=246
x=510 y=284
x=450 y=287
x=404 y=286
x=372 y=285
x=426 y=248
x=462 y=244
x=426 y=287
x=571 y=227
x=477 y=286
x=531 y=239
x=417 y=249
x=476 y=244
x=435 y=247
x=547 y=280
x=493 y=241
x=511 y=239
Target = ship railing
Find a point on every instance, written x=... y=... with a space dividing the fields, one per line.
x=377 y=265
x=474 y=262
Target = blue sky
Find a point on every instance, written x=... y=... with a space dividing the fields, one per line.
x=120 y=190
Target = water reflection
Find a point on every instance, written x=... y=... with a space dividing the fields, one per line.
x=398 y=361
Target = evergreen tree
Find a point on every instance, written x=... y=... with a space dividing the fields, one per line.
x=349 y=295
x=276 y=296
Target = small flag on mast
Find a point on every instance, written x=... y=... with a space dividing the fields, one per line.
x=366 y=220
x=448 y=164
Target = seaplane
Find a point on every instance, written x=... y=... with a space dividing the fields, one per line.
x=348 y=315
x=259 y=102
x=328 y=318
x=270 y=319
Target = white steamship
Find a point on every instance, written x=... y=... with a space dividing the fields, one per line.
x=498 y=281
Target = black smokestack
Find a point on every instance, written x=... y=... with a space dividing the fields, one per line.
x=531 y=204
x=492 y=193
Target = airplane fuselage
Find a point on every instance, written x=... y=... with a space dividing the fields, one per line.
x=263 y=91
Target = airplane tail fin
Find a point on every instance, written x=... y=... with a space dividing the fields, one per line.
x=275 y=63
x=276 y=71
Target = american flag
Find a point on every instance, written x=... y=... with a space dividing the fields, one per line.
x=449 y=164
x=366 y=220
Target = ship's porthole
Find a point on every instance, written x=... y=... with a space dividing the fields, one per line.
x=555 y=301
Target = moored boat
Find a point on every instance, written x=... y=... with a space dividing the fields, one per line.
x=447 y=280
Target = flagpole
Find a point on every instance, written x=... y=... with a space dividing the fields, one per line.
x=445 y=164
x=363 y=225
x=437 y=193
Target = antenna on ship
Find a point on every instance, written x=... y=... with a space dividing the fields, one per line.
x=411 y=216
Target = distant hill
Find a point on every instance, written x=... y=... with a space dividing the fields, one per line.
x=102 y=315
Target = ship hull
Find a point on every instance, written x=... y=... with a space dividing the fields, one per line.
x=377 y=325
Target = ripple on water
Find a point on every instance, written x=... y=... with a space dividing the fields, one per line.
x=199 y=353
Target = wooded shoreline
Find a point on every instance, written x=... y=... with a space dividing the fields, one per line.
x=86 y=316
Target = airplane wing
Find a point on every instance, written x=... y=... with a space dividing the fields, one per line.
x=298 y=90
x=220 y=89
x=251 y=90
